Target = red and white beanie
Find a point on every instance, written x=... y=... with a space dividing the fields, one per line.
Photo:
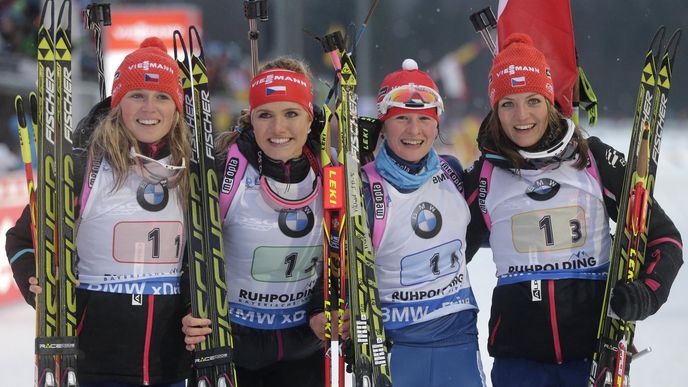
x=149 y=68
x=408 y=75
x=281 y=85
x=519 y=68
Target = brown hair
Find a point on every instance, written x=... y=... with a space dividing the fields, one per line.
x=555 y=121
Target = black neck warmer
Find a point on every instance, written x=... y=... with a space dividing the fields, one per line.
x=291 y=171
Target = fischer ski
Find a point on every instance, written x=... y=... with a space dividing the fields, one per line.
x=55 y=218
x=353 y=239
x=612 y=359
x=213 y=358
x=66 y=195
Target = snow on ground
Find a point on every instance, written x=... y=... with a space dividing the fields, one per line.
x=665 y=333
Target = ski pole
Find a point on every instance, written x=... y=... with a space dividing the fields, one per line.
x=25 y=144
x=484 y=21
x=255 y=9
x=94 y=16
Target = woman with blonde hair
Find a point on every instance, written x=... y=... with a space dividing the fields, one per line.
x=130 y=229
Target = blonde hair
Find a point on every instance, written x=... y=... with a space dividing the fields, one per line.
x=505 y=147
x=112 y=140
x=226 y=139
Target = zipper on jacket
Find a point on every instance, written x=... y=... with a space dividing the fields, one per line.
x=553 y=321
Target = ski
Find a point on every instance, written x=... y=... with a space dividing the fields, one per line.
x=367 y=333
x=334 y=278
x=213 y=357
x=612 y=359
x=56 y=321
x=66 y=197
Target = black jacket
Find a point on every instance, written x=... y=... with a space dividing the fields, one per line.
x=118 y=341
x=564 y=327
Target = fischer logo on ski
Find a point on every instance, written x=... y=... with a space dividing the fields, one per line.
x=612 y=359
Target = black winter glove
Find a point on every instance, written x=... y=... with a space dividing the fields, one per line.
x=349 y=356
x=369 y=129
x=633 y=301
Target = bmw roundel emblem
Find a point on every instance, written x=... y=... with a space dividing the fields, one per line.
x=543 y=189
x=296 y=223
x=152 y=197
x=426 y=220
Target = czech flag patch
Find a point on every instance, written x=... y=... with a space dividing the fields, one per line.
x=148 y=77
x=518 y=81
x=276 y=90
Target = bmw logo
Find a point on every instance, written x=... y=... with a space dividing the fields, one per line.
x=543 y=189
x=152 y=197
x=296 y=223
x=426 y=220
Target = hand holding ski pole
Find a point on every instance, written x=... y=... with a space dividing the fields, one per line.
x=633 y=301
x=318 y=321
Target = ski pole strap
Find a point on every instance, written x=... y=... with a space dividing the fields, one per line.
x=235 y=167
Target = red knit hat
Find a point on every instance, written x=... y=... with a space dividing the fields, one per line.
x=519 y=68
x=149 y=68
x=429 y=104
x=278 y=85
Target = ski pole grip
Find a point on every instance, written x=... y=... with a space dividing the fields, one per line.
x=333 y=41
x=263 y=10
x=483 y=19
x=256 y=9
x=97 y=14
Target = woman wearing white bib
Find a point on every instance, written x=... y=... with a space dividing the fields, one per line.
x=545 y=195
x=130 y=228
x=415 y=196
x=272 y=230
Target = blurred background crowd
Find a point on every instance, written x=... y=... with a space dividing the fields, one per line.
x=611 y=39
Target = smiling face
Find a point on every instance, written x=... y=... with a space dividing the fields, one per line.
x=148 y=114
x=523 y=118
x=281 y=129
x=410 y=135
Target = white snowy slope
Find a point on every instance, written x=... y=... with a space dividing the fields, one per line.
x=666 y=332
